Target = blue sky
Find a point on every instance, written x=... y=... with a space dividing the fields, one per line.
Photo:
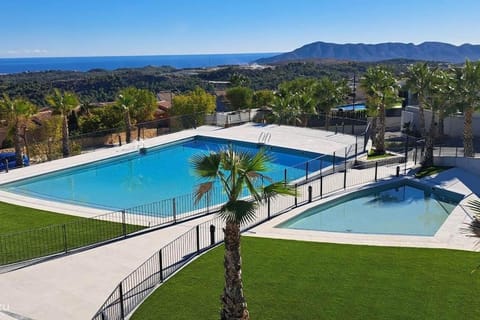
x=31 y=28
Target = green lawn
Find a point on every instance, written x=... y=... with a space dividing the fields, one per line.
x=300 y=280
x=428 y=171
x=52 y=233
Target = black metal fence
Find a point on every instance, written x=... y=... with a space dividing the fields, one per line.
x=84 y=232
x=133 y=289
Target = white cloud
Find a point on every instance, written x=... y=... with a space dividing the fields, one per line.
x=25 y=52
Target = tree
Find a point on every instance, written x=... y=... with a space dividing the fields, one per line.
x=193 y=105
x=240 y=98
x=284 y=109
x=467 y=89
x=263 y=98
x=380 y=87
x=419 y=77
x=63 y=103
x=236 y=171
x=330 y=94
x=239 y=80
x=437 y=98
x=138 y=106
x=18 y=111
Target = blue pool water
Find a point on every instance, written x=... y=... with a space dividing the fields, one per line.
x=402 y=209
x=164 y=172
x=350 y=107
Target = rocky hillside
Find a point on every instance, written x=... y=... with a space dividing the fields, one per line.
x=428 y=51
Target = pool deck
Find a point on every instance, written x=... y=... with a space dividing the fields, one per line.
x=74 y=286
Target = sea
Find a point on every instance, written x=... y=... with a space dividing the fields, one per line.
x=17 y=65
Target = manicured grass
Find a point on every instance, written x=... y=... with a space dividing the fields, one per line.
x=428 y=171
x=375 y=156
x=27 y=233
x=15 y=218
x=300 y=280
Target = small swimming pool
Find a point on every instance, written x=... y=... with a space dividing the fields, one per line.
x=404 y=208
x=164 y=172
x=351 y=107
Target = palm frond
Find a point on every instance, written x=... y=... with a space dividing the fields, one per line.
x=202 y=190
x=278 y=188
x=206 y=165
x=238 y=211
x=474 y=205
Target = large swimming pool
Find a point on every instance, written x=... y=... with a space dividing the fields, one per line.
x=164 y=172
x=403 y=208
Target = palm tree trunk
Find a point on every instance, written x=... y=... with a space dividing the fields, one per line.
x=234 y=305
x=128 y=127
x=17 y=146
x=441 y=123
x=468 y=133
x=380 y=139
x=327 y=120
x=429 y=139
x=422 y=117
x=65 y=146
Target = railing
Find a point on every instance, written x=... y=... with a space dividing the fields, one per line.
x=84 y=232
x=134 y=288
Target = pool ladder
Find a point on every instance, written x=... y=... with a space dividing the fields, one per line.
x=264 y=137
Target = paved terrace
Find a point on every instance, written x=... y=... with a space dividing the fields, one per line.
x=74 y=286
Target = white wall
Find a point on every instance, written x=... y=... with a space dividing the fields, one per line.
x=468 y=164
x=453 y=125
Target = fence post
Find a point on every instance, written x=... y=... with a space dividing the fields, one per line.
x=309 y=194
x=285 y=177
x=306 y=171
x=296 y=195
x=65 y=244
x=343 y=126
x=174 y=210
x=416 y=150
x=336 y=128
x=333 y=161
x=160 y=264
x=321 y=165
x=268 y=208
x=321 y=186
x=138 y=133
x=376 y=170
x=345 y=178
x=122 y=309
x=440 y=151
x=198 y=238
x=356 y=148
x=120 y=140
x=398 y=171
x=6 y=165
x=456 y=152
x=212 y=234
x=124 y=225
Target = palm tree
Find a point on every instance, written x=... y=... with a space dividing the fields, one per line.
x=126 y=102
x=330 y=94
x=138 y=106
x=437 y=99
x=468 y=94
x=285 y=109
x=17 y=111
x=419 y=82
x=381 y=89
x=63 y=103
x=237 y=172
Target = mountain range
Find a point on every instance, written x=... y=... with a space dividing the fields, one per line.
x=428 y=51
